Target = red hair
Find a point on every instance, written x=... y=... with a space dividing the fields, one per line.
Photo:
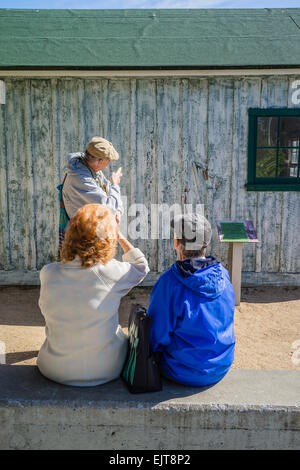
x=92 y=235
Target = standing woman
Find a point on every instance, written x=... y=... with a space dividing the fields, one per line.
x=84 y=183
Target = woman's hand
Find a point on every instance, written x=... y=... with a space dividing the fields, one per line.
x=116 y=177
x=118 y=217
x=125 y=244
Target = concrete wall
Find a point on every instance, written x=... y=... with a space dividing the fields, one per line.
x=252 y=409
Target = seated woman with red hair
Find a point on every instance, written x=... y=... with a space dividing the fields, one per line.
x=80 y=297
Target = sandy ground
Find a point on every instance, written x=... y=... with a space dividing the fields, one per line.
x=267 y=323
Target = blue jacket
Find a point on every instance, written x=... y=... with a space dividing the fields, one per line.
x=192 y=308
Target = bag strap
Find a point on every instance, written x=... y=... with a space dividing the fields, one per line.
x=62 y=205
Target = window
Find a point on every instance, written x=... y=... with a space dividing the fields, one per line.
x=273 y=149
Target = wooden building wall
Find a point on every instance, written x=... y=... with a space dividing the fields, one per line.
x=179 y=139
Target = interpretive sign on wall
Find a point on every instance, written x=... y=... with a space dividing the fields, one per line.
x=236 y=231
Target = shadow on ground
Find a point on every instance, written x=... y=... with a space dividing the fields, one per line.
x=32 y=385
x=270 y=294
x=19 y=304
x=266 y=325
x=20 y=356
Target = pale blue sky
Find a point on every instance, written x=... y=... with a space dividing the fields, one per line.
x=121 y=4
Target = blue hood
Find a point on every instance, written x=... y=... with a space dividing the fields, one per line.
x=75 y=166
x=209 y=281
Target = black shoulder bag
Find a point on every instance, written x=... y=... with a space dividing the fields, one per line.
x=141 y=370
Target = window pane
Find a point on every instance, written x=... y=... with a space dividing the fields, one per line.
x=267 y=131
x=289 y=131
x=288 y=162
x=266 y=163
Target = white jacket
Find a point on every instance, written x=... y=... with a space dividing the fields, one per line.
x=84 y=343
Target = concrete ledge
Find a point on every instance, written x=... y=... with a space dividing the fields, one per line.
x=249 y=278
x=248 y=409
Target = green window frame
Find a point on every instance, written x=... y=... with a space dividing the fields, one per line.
x=275 y=182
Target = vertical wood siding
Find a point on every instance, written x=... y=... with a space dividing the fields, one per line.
x=179 y=140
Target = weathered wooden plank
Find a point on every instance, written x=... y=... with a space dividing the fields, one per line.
x=270 y=279
x=194 y=143
x=290 y=218
x=118 y=125
x=91 y=110
x=129 y=175
x=243 y=203
x=143 y=169
x=4 y=214
x=43 y=171
x=56 y=156
x=65 y=135
x=269 y=204
x=66 y=120
x=82 y=115
x=104 y=132
x=115 y=122
x=289 y=259
x=21 y=199
x=104 y=108
x=249 y=279
x=195 y=178
x=31 y=226
x=169 y=128
x=115 y=125
x=220 y=120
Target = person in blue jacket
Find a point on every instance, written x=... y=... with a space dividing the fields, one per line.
x=192 y=307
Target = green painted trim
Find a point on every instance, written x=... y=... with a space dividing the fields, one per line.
x=275 y=147
x=272 y=187
x=277 y=143
x=298 y=172
x=274 y=111
x=277 y=181
x=251 y=147
x=267 y=184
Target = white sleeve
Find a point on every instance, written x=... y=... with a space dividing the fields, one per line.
x=134 y=270
x=121 y=276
